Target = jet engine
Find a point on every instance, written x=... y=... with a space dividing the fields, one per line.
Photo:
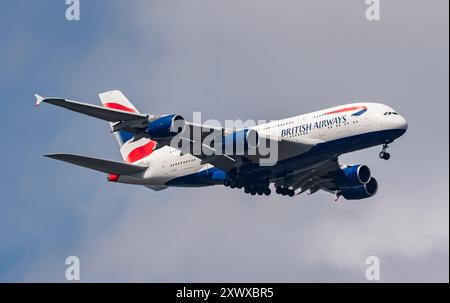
x=353 y=175
x=241 y=140
x=165 y=127
x=361 y=191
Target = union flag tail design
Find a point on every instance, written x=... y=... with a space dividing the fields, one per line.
x=131 y=151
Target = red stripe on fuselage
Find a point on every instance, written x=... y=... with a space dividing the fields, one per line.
x=346 y=109
x=119 y=107
x=141 y=152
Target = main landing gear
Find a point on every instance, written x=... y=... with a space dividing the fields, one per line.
x=383 y=154
x=253 y=189
x=285 y=191
x=257 y=190
x=260 y=188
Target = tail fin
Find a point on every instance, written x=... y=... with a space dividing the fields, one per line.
x=130 y=150
x=116 y=100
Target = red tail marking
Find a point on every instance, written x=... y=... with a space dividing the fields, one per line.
x=141 y=152
x=119 y=107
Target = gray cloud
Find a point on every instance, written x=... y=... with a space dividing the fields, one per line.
x=260 y=60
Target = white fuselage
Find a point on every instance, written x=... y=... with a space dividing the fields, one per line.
x=326 y=125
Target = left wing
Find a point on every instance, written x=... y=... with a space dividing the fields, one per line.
x=96 y=111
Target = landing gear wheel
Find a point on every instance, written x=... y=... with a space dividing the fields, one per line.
x=383 y=154
x=284 y=191
x=246 y=190
x=291 y=193
x=233 y=183
x=267 y=191
x=226 y=182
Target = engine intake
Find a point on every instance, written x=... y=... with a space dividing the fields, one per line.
x=361 y=191
x=165 y=127
x=353 y=176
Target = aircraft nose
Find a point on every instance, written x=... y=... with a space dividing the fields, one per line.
x=402 y=123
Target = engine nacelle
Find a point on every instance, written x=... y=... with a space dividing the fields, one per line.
x=353 y=176
x=165 y=127
x=241 y=140
x=361 y=191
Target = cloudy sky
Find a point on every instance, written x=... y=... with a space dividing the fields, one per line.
x=248 y=59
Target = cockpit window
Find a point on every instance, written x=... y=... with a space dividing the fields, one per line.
x=390 y=113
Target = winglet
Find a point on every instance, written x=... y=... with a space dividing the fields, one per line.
x=39 y=99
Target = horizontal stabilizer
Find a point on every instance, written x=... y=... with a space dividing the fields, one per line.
x=106 y=166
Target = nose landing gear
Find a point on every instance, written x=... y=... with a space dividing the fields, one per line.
x=383 y=154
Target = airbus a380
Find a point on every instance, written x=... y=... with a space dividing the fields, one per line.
x=308 y=147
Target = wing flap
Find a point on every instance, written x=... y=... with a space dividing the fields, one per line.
x=105 y=166
x=312 y=178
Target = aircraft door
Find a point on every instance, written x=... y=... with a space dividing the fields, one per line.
x=165 y=167
x=366 y=121
x=322 y=132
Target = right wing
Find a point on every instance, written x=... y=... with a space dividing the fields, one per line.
x=105 y=166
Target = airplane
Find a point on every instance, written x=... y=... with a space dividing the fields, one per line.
x=308 y=147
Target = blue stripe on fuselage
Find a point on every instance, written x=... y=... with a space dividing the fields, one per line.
x=210 y=176
x=359 y=113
